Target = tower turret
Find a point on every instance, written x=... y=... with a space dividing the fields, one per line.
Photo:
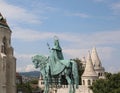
x=89 y=74
x=7 y=59
x=3 y=21
x=97 y=63
x=83 y=61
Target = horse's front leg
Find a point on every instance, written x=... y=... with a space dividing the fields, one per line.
x=46 y=90
x=70 y=84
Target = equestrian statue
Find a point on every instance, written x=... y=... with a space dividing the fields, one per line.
x=54 y=66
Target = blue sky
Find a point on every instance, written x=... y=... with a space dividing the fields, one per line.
x=79 y=24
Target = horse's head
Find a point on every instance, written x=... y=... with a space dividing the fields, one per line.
x=35 y=61
x=39 y=61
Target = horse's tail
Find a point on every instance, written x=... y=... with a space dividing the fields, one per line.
x=75 y=73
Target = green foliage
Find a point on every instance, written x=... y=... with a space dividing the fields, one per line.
x=25 y=87
x=80 y=68
x=109 y=85
x=34 y=81
x=29 y=86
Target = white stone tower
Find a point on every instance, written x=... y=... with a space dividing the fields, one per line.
x=41 y=82
x=97 y=64
x=89 y=74
x=7 y=60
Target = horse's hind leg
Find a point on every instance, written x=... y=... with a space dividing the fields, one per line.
x=68 y=79
x=70 y=84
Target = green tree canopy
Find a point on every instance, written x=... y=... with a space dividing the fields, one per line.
x=80 y=68
x=109 y=85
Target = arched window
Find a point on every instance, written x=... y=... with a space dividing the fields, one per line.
x=83 y=82
x=42 y=83
x=99 y=74
x=93 y=81
x=89 y=82
x=4 y=45
x=99 y=65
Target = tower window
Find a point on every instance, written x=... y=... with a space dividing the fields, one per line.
x=99 y=65
x=4 y=45
x=83 y=82
x=99 y=74
x=89 y=82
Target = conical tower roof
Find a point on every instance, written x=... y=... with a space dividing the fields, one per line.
x=3 y=21
x=89 y=69
x=83 y=59
x=95 y=59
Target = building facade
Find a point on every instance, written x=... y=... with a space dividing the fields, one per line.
x=7 y=59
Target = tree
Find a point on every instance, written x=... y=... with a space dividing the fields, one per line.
x=25 y=87
x=80 y=68
x=109 y=85
x=34 y=85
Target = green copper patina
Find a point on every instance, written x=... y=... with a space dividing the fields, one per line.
x=55 y=65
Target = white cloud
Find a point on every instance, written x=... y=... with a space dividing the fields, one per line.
x=30 y=35
x=113 y=69
x=105 y=53
x=16 y=13
x=33 y=35
x=106 y=37
x=116 y=7
x=97 y=38
x=24 y=62
x=19 y=69
x=26 y=68
x=24 y=56
x=98 y=0
x=81 y=15
x=78 y=46
x=30 y=68
x=75 y=53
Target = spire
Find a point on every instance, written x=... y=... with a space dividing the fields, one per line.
x=89 y=69
x=3 y=21
x=95 y=59
x=83 y=60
